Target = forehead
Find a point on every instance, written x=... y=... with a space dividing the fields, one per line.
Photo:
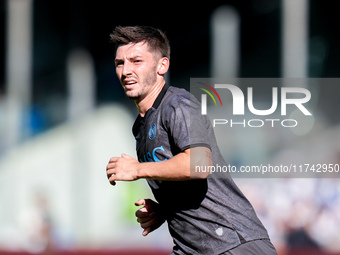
x=133 y=50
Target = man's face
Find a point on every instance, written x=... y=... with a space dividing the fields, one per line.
x=136 y=68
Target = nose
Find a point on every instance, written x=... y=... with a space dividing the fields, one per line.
x=127 y=69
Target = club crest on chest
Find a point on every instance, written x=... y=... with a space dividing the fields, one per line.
x=152 y=131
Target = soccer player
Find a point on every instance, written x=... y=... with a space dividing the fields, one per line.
x=205 y=214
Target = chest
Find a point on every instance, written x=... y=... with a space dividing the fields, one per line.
x=152 y=140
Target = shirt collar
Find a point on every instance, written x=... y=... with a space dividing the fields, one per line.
x=160 y=96
x=140 y=120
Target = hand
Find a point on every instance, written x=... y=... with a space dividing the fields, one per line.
x=149 y=216
x=124 y=168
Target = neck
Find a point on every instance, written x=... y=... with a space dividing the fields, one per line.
x=146 y=103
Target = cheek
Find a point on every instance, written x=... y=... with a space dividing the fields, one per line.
x=146 y=71
x=118 y=72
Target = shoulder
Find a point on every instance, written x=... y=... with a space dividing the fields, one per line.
x=175 y=106
x=179 y=105
x=178 y=98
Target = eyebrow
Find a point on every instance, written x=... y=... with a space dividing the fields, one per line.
x=137 y=56
x=117 y=60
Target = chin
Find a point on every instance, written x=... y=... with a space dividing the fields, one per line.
x=132 y=95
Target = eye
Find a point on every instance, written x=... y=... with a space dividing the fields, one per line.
x=137 y=61
x=119 y=63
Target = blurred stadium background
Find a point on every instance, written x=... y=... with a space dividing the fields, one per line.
x=63 y=114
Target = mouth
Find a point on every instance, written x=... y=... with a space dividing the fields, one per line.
x=129 y=84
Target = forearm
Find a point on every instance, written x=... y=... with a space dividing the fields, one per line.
x=174 y=169
x=127 y=168
x=179 y=168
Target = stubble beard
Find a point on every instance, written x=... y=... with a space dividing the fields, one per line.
x=147 y=82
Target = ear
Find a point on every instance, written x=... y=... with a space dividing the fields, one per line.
x=163 y=66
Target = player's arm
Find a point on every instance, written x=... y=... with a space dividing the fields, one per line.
x=179 y=168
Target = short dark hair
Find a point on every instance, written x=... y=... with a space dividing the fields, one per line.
x=154 y=37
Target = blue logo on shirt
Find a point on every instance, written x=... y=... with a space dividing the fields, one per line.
x=152 y=157
x=152 y=131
